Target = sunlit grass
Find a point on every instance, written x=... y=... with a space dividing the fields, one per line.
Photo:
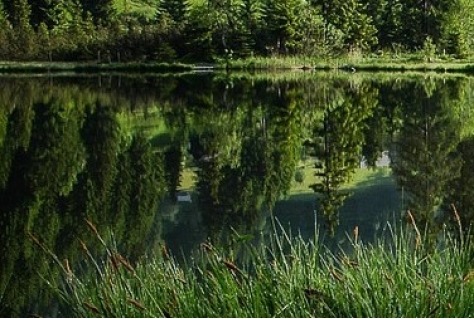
x=188 y=179
x=406 y=274
x=384 y=63
x=362 y=177
x=91 y=67
x=390 y=62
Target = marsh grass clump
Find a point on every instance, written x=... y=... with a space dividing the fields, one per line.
x=405 y=274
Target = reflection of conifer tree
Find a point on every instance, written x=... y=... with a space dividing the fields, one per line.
x=283 y=131
x=43 y=151
x=148 y=188
x=254 y=166
x=205 y=150
x=21 y=262
x=16 y=139
x=43 y=173
x=337 y=147
x=375 y=135
x=56 y=153
x=461 y=187
x=102 y=140
x=12 y=238
x=3 y=123
x=234 y=188
x=122 y=193
x=391 y=104
x=331 y=172
x=425 y=160
x=242 y=189
x=173 y=168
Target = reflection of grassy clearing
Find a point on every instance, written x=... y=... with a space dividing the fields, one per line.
x=188 y=178
x=363 y=177
x=152 y=125
x=370 y=191
x=374 y=200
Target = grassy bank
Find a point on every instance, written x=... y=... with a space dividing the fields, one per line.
x=387 y=63
x=403 y=275
x=86 y=67
x=415 y=63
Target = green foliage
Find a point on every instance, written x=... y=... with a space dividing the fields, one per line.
x=429 y=49
x=211 y=30
x=176 y=9
x=458 y=28
x=424 y=185
x=281 y=20
x=337 y=145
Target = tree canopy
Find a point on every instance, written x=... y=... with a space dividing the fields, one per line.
x=200 y=30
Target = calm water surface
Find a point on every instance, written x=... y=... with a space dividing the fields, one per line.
x=180 y=160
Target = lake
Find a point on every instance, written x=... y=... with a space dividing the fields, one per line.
x=177 y=160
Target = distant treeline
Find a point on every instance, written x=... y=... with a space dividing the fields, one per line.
x=203 y=30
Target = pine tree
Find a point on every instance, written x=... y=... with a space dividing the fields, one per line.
x=5 y=33
x=176 y=9
x=281 y=18
x=23 y=32
x=353 y=20
x=249 y=13
x=103 y=11
x=387 y=20
x=457 y=31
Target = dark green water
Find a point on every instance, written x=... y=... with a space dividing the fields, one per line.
x=178 y=160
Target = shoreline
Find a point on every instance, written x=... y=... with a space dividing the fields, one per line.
x=260 y=64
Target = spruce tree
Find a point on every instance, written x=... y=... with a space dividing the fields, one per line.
x=5 y=33
x=176 y=9
x=24 y=47
x=281 y=18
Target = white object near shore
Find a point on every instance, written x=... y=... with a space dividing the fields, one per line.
x=184 y=197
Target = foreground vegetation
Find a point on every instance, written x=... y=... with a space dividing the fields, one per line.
x=407 y=274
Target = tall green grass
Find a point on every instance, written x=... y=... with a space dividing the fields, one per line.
x=405 y=63
x=404 y=274
x=91 y=67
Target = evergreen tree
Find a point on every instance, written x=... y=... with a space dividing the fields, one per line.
x=199 y=33
x=176 y=9
x=103 y=11
x=5 y=33
x=281 y=19
x=249 y=13
x=457 y=32
x=23 y=32
x=388 y=20
x=311 y=39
